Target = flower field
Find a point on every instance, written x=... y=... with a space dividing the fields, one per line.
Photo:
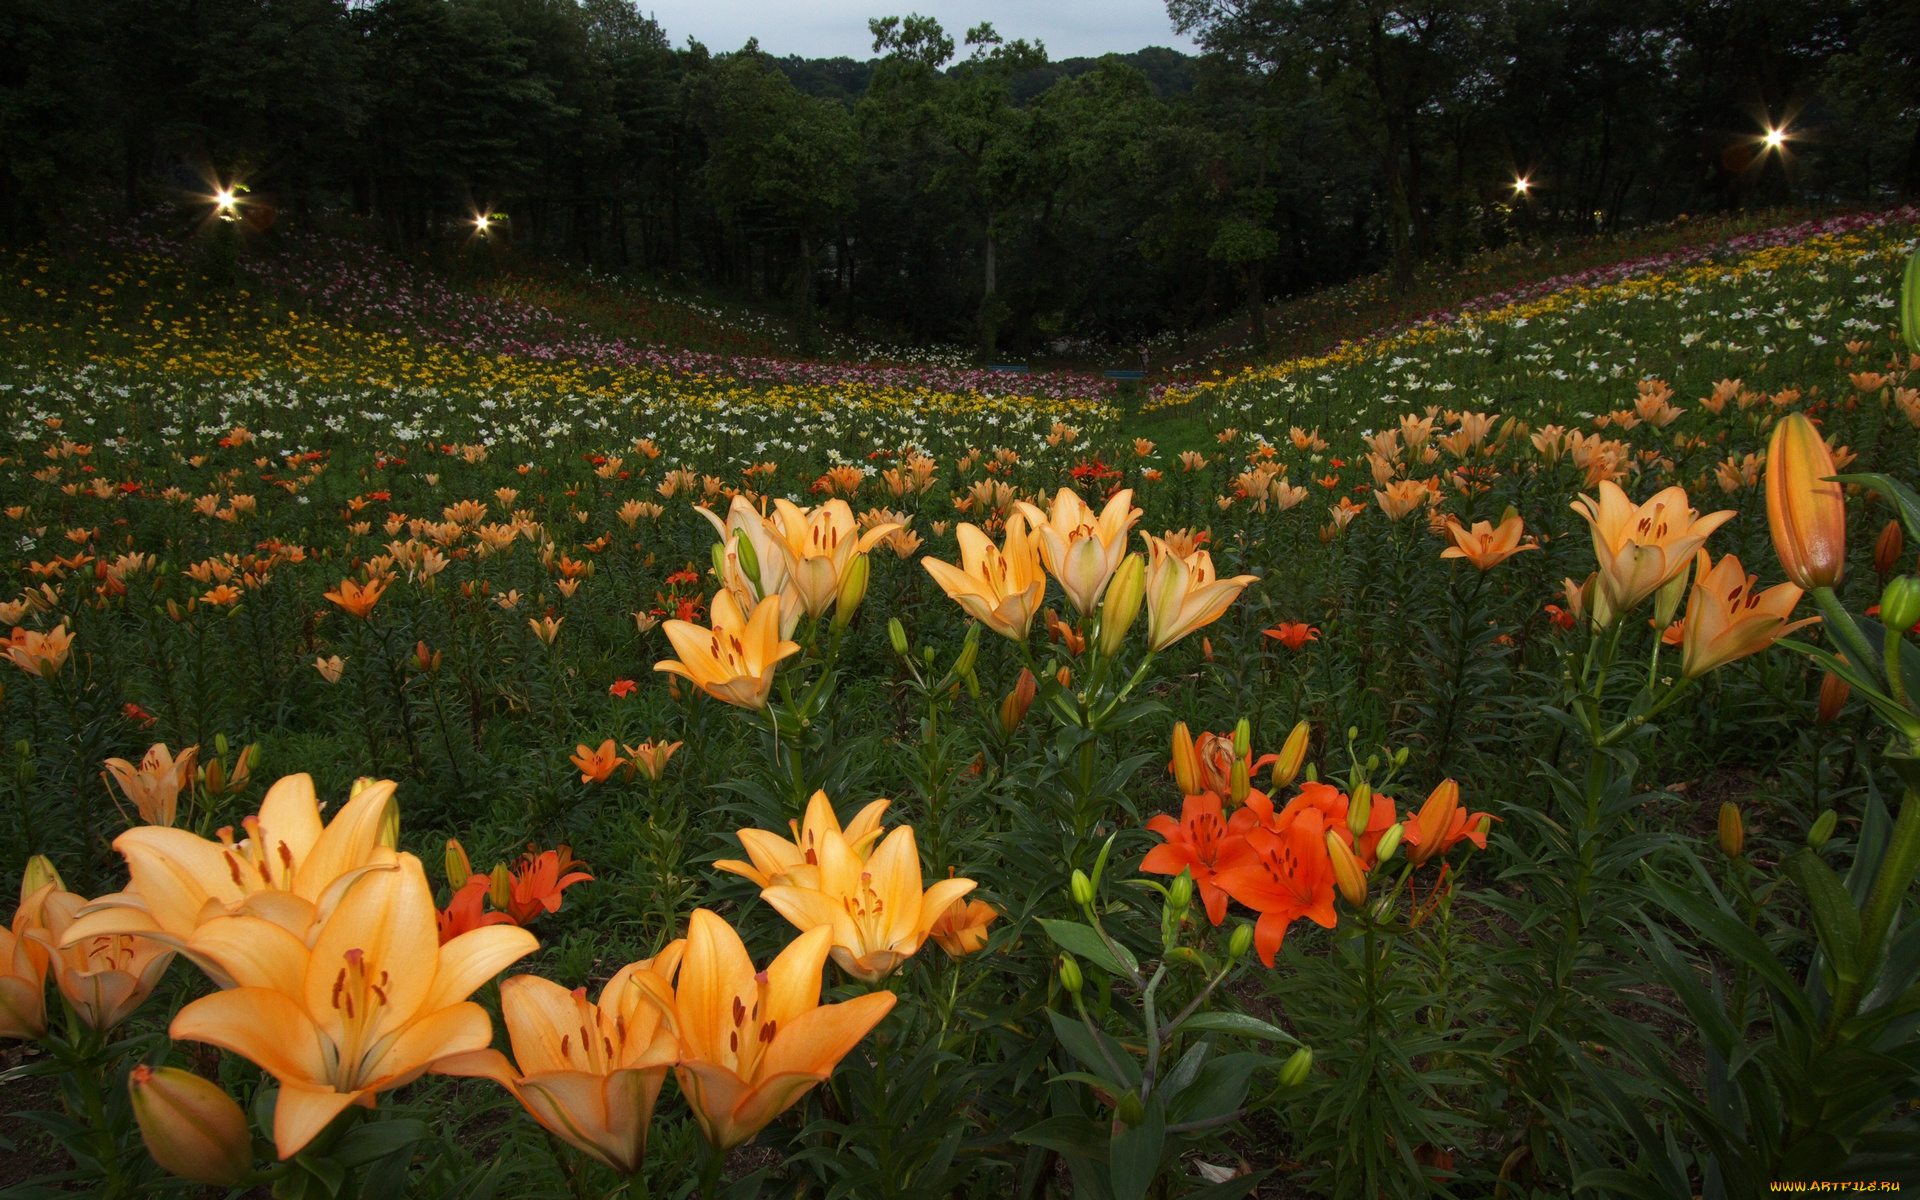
x=455 y=749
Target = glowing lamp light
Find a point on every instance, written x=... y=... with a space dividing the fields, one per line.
x=223 y=200
x=481 y=224
x=1775 y=138
x=1521 y=185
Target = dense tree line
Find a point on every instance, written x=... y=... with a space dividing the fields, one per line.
x=972 y=191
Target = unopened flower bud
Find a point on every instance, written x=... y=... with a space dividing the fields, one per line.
x=1243 y=738
x=1186 y=768
x=1347 y=873
x=1666 y=600
x=1241 y=941
x=969 y=651
x=1014 y=706
x=897 y=634
x=1294 y=1072
x=220 y=744
x=1833 y=698
x=39 y=873
x=500 y=888
x=1130 y=1109
x=216 y=778
x=1733 y=832
x=1389 y=843
x=1293 y=755
x=853 y=589
x=1070 y=977
x=1900 y=603
x=1180 y=894
x=191 y=1126
x=1822 y=830
x=1122 y=604
x=1888 y=547
x=1360 y=808
x=459 y=870
x=1239 y=784
x=1082 y=888
x=749 y=560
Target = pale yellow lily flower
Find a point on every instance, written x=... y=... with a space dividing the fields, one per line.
x=1640 y=547
x=1081 y=549
x=772 y=558
x=777 y=860
x=1183 y=594
x=820 y=543
x=735 y=660
x=1000 y=588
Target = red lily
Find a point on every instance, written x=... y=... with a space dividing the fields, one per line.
x=1285 y=876
x=462 y=914
x=1294 y=634
x=538 y=880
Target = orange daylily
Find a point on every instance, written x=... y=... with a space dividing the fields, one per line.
x=42 y=654
x=752 y=1043
x=539 y=878
x=820 y=543
x=1081 y=549
x=463 y=913
x=289 y=869
x=590 y=1073
x=1286 y=875
x=1182 y=593
x=1640 y=547
x=1728 y=619
x=357 y=599
x=776 y=860
x=597 y=766
x=371 y=1005
x=962 y=929
x=1484 y=546
x=1000 y=588
x=1441 y=824
x=1197 y=843
x=735 y=660
x=1293 y=634
x=874 y=906
x=1807 y=514
x=154 y=786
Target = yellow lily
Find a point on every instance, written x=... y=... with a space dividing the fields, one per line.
x=372 y=1005
x=590 y=1073
x=1807 y=514
x=1485 y=546
x=752 y=1043
x=42 y=654
x=106 y=977
x=820 y=543
x=1083 y=550
x=154 y=786
x=776 y=860
x=23 y=965
x=773 y=561
x=734 y=661
x=289 y=869
x=1001 y=589
x=1640 y=547
x=1728 y=619
x=874 y=905
x=1183 y=594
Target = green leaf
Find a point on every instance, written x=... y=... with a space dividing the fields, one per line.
x=1081 y=1043
x=1220 y=1089
x=1835 y=920
x=1231 y=1189
x=1084 y=941
x=375 y=1140
x=1135 y=1153
x=1240 y=1023
x=1733 y=937
x=1067 y=1135
x=1910 y=303
x=1902 y=496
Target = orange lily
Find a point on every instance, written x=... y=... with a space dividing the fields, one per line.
x=1441 y=824
x=651 y=757
x=463 y=913
x=820 y=543
x=154 y=786
x=1728 y=619
x=1640 y=547
x=42 y=654
x=772 y=554
x=597 y=766
x=1083 y=550
x=356 y=599
x=373 y=1004
x=23 y=963
x=539 y=878
x=1197 y=843
x=1285 y=875
x=105 y=977
x=1807 y=514
x=962 y=929
x=878 y=914
x=1182 y=593
x=1000 y=588
x=735 y=660
x=289 y=869
x=752 y=1043
x=776 y=860
x=1401 y=497
x=1484 y=546
x=590 y=1073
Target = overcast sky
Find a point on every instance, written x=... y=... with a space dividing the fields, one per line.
x=832 y=28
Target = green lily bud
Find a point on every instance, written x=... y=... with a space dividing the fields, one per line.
x=1180 y=895
x=1243 y=738
x=1900 y=603
x=969 y=651
x=459 y=870
x=1241 y=941
x=853 y=589
x=500 y=888
x=1360 y=808
x=897 y=634
x=1294 y=1072
x=39 y=873
x=720 y=560
x=1121 y=607
x=749 y=561
x=1070 y=977
x=1389 y=843
x=1131 y=1110
x=1082 y=888
x=1822 y=830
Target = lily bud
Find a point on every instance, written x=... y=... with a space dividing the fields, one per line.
x=1013 y=708
x=750 y=561
x=1389 y=843
x=853 y=589
x=969 y=652
x=1239 y=783
x=1070 y=977
x=1130 y=1109
x=1822 y=830
x=1360 y=808
x=1294 y=1072
x=1833 y=697
x=1733 y=832
x=191 y=1126
x=1180 y=894
x=897 y=634
x=422 y=657
x=216 y=779
x=1888 y=547
x=1900 y=602
x=459 y=870
x=720 y=560
x=1347 y=873
x=1807 y=514
x=1243 y=738
x=1293 y=755
x=500 y=888
x=1666 y=600
x=1241 y=941
x=1082 y=888
x=1122 y=605
x=1186 y=768
x=39 y=873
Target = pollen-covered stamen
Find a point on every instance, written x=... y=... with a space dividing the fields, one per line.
x=359 y=996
